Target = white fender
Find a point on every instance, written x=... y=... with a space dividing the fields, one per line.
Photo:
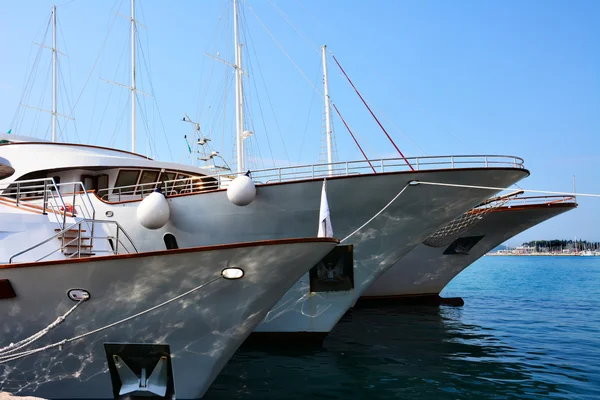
x=241 y=191
x=153 y=212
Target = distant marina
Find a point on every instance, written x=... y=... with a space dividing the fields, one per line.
x=550 y=248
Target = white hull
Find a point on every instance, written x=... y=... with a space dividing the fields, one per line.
x=416 y=213
x=427 y=270
x=203 y=329
x=289 y=207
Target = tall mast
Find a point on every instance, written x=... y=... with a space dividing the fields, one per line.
x=54 y=75
x=239 y=94
x=328 y=130
x=133 y=92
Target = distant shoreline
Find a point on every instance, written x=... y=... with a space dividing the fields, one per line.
x=537 y=255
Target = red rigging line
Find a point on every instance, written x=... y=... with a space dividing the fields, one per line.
x=373 y=114
x=351 y=134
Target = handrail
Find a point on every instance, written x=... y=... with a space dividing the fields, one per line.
x=77 y=225
x=49 y=191
x=314 y=171
x=547 y=200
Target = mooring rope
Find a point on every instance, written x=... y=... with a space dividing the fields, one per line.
x=460 y=185
x=11 y=348
x=16 y=356
x=380 y=211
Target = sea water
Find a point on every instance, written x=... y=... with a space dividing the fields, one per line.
x=529 y=329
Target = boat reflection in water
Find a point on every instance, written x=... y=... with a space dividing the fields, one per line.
x=391 y=352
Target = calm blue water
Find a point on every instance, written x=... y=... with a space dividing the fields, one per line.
x=530 y=328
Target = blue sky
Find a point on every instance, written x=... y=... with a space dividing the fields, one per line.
x=494 y=77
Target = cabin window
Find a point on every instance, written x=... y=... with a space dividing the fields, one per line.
x=148 y=177
x=127 y=177
x=170 y=241
x=167 y=176
x=88 y=182
x=102 y=182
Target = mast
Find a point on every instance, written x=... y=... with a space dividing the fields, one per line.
x=239 y=92
x=133 y=92
x=54 y=75
x=328 y=130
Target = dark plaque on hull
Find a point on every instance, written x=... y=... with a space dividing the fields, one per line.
x=463 y=245
x=335 y=272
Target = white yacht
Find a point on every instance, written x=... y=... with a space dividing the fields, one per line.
x=97 y=321
x=375 y=206
x=423 y=273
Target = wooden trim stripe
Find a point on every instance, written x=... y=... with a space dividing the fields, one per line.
x=544 y=206
x=174 y=251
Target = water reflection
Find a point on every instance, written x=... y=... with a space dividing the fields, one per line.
x=406 y=352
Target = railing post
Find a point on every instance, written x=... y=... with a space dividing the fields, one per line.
x=18 y=193
x=313 y=171
x=382 y=165
x=79 y=241
x=417 y=163
x=117 y=240
x=74 y=198
x=486 y=161
x=45 y=196
x=347 y=171
x=452 y=161
x=279 y=173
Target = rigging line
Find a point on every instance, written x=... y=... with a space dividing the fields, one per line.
x=65 y=3
x=29 y=79
x=351 y=134
x=308 y=12
x=69 y=105
x=250 y=62
x=250 y=43
x=498 y=188
x=118 y=66
x=37 y=118
x=282 y=49
x=312 y=100
x=367 y=145
x=372 y=114
x=288 y=20
x=427 y=116
x=262 y=117
x=95 y=62
x=118 y=124
x=64 y=43
x=201 y=97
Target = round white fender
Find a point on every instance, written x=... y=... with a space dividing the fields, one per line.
x=153 y=212
x=241 y=191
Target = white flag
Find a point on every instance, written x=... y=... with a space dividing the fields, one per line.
x=325 y=228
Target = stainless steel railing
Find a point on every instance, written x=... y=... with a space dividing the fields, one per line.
x=46 y=196
x=301 y=172
x=116 y=245
x=541 y=200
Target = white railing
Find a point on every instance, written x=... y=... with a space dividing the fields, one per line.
x=46 y=195
x=115 y=241
x=540 y=200
x=314 y=171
